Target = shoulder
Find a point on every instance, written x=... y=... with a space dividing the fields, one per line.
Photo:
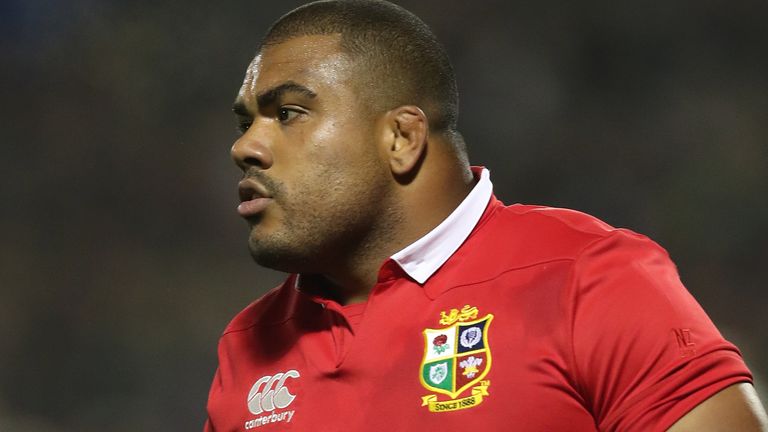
x=520 y=239
x=532 y=233
x=540 y=219
x=273 y=308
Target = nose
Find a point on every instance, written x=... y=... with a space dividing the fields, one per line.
x=250 y=150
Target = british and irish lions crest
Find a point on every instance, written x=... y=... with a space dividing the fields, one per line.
x=456 y=360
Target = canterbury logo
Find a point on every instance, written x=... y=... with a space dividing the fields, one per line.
x=270 y=393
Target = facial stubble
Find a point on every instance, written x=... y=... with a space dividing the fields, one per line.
x=349 y=219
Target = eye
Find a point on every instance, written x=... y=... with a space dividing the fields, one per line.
x=286 y=115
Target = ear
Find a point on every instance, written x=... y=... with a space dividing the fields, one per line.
x=406 y=135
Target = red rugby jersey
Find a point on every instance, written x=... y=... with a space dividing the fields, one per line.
x=514 y=317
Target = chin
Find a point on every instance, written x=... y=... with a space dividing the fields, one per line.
x=282 y=259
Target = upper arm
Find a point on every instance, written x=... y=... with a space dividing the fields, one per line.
x=645 y=353
x=737 y=408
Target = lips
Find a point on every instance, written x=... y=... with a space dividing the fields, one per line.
x=253 y=198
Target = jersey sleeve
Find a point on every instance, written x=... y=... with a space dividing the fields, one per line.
x=644 y=352
x=215 y=386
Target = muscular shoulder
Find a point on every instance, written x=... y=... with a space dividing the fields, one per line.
x=517 y=237
x=565 y=221
x=530 y=234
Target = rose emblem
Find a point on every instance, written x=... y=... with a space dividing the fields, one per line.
x=440 y=340
x=440 y=343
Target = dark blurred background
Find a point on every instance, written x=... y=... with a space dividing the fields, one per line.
x=122 y=257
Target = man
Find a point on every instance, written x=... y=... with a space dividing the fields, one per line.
x=416 y=301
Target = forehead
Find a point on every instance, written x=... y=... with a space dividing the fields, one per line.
x=315 y=62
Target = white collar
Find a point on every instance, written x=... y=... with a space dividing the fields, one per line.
x=422 y=258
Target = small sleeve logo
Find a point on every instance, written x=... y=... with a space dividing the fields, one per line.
x=684 y=342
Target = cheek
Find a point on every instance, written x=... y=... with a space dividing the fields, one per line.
x=322 y=163
x=329 y=139
x=341 y=135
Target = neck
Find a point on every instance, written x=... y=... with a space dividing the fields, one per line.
x=420 y=209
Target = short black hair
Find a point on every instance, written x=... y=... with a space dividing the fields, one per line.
x=403 y=62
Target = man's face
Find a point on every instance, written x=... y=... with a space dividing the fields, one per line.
x=315 y=184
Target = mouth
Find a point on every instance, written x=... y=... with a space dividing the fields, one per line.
x=254 y=198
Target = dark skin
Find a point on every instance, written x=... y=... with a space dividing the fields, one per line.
x=344 y=188
x=351 y=187
x=737 y=408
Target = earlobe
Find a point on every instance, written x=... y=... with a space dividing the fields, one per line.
x=410 y=132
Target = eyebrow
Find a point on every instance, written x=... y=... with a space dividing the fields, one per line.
x=240 y=109
x=269 y=96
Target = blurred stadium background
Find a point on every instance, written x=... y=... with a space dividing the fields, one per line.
x=122 y=257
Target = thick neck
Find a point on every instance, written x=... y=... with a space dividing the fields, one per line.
x=442 y=183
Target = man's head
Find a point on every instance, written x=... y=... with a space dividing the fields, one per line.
x=397 y=59
x=336 y=111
